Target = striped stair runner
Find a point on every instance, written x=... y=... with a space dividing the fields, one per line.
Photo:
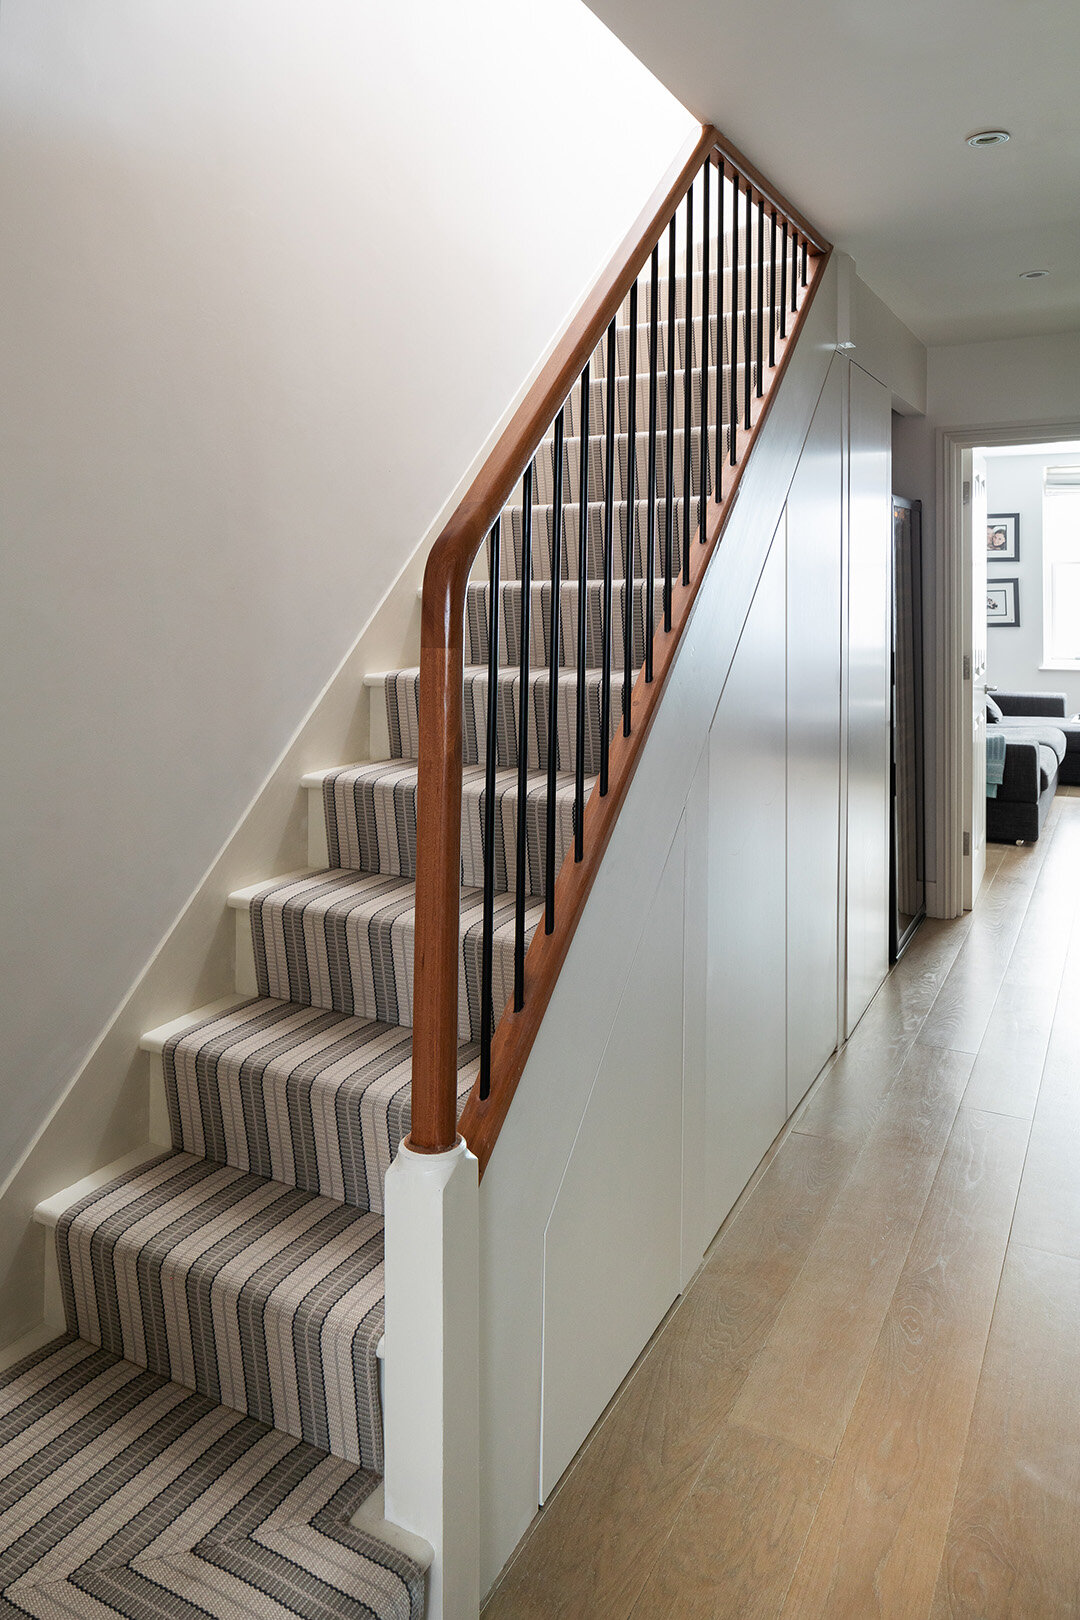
x=200 y=1440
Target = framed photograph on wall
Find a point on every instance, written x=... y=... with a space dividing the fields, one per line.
x=1003 y=601
x=1002 y=536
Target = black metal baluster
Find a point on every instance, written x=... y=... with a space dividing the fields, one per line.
x=760 y=297
x=783 y=279
x=669 y=406
x=583 y=592
x=688 y=384
x=703 y=453
x=747 y=313
x=631 y=490
x=804 y=262
x=718 y=454
x=794 y=271
x=553 y=676
x=772 y=292
x=522 y=852
x=733 y=391
x=609 y=518
x=487 y=1015
x=650 y=533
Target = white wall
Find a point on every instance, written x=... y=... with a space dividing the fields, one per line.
x=1011 y=382
x=886 y=349
x=270 y=273
x=1015 y=653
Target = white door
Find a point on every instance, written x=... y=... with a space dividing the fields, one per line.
x=974 y=543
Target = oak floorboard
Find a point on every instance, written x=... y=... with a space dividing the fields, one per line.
x=803 y=1384
x=1048 y=1208
x=877 y=1538
x=1013 y=1547
x=1059 y=1095
x=1008 y=1070
x=962 y=1010
x=847 y=1099
x=593 y=1544
x=738 y=1538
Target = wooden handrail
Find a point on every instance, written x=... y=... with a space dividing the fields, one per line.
x=436 y=968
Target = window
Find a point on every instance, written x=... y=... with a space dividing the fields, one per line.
x=1061 y=567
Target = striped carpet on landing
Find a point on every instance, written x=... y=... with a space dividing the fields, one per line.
x=124 y=1494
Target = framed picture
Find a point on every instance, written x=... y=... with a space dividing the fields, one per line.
x=1002 y=536
x=1003 y=601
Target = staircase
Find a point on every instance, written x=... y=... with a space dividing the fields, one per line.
x=211 y=1422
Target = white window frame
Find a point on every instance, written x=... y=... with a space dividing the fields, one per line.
x=1060 y=549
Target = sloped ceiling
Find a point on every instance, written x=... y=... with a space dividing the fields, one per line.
x=858 y=110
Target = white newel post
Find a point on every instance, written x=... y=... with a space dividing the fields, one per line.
x=432 y=1408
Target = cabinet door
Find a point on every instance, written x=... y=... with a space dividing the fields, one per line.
x=815 y=533
x=745 y=1028
x=869 y=646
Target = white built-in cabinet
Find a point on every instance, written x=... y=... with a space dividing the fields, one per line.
x=814 y=657
x=798 y=792
x=869 y=649
x=744 y=869
x=737 y=931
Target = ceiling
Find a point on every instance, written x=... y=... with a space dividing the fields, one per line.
x=858 y=109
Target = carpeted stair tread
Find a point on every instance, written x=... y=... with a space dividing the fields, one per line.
x=698 y=283
x=510 y=598
x=572 y=420
x=402 y=700
x=344 y=940
x=370 y=813
x=686 y=344
x=310 y=1098
x=260 y=1296
x=543 y=529
x=122 y=1493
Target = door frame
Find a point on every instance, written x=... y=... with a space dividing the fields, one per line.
x=952 y=725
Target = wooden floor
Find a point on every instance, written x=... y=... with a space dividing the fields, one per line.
x=868 y=1402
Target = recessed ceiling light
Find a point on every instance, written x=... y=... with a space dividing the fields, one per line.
x=988 y=137
x=1033 y=275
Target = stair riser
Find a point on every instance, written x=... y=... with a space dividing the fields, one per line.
x=339 y=956
x=401 y=705
x=572 y=420
x=687 y=347
x=177 y=1268
x=543 y=527
x=302 y=1096
x=645 y=280
x=371 y=826
x=477 y=628
x=645 y=288
x=544 y=475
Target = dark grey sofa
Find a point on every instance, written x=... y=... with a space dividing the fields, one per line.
x=1020 y=708
x=1042 y=749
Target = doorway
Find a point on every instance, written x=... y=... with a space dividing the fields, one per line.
x=960 y=575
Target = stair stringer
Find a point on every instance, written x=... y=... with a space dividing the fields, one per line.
x=521 y=1185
